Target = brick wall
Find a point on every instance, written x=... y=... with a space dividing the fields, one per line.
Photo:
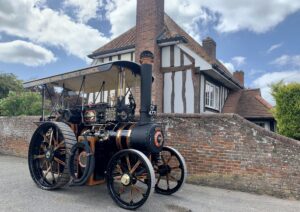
x=221 y=150
x=227 y=151
x=15 y=134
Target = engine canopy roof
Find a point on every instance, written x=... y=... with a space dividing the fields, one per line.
x=94 y=77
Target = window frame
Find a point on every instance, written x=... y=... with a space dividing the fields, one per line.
x=212 y=100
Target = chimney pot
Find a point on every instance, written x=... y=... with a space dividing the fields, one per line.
x=210 y=46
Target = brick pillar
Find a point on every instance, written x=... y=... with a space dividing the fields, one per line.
x=149 y=24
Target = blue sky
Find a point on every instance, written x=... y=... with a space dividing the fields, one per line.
x=39 y=38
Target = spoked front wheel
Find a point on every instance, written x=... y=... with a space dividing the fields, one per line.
x=170 y=171
x=130 y=178
x=48 y=155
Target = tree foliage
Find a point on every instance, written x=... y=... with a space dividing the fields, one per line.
x=9 y=82
x=287 y=109
x=21 y=103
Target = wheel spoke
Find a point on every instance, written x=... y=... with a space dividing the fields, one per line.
x=175 y=167
x=117 y=177
x=47 y=172
x=51 y=137
x=128 y=163
x=119 y=168
x=158 y=179
x=163 y=158
x=169 y=159
x=56 y=139
x=43 y=164
x=59 y=161
x=59 y=145
x=141 y=180
x=135 y=167
x=38 y=156
x=168 y=183
x=121 y=190
x=172 y=177
x=52 y=173
x=131 y=194
x=44 y=148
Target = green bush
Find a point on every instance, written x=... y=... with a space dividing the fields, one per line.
x=287 y=109
x=21 y=103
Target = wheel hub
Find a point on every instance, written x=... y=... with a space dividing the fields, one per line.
x=125 y=179
x=49 y=155
x=164 y=170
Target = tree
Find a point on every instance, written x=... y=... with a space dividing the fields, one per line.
x=287 y=109
x=21 y=103
x=9 y=82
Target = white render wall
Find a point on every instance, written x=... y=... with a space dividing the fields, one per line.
x=179 y=86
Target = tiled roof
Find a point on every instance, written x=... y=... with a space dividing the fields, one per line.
x=124 y=41
x=248 y=103
x=171 y=31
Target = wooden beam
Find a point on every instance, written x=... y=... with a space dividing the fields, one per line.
x=172 y=56
x=175 y=69
x=184 y=91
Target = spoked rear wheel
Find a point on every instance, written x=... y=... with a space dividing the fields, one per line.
x=130 y=178
x=170 y=171
x=48 y=155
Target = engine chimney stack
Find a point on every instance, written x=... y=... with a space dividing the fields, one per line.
x=146 y=61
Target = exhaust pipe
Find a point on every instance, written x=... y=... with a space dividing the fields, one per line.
x=146 y=60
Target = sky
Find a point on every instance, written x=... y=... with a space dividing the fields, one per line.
x=40 y=38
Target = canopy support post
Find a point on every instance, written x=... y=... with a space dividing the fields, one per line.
x=43 y=102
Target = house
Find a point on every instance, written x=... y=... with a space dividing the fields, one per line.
x=188 y=76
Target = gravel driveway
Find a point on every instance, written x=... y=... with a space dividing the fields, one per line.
x=19 y=193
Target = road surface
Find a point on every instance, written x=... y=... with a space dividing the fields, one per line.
x=19 y=193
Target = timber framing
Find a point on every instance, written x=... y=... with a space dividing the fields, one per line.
x=176 y=69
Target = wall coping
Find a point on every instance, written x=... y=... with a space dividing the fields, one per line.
x=237 y=117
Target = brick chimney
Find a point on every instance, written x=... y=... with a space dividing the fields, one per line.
x=239 y=75
x=149 y=24
x=210 y=46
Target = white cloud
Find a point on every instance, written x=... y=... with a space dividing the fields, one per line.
x=290 y=60
x=193 y=15
x=256 y=15
x=264 y=81
x=48 y=27
x=229 y=66
x=84 y=9
x=25 y=53
x=121 y=14
x=239 y=60
x=273 y=47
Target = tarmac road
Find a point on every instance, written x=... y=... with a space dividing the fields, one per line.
x=19 y=193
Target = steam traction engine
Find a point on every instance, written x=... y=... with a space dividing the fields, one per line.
x=100 y=141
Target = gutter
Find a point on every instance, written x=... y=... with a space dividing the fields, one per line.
x=217 y=68
x=113 y=52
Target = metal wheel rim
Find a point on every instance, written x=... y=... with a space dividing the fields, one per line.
x=170 y=178
x=136 y=164
x=47 y=156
